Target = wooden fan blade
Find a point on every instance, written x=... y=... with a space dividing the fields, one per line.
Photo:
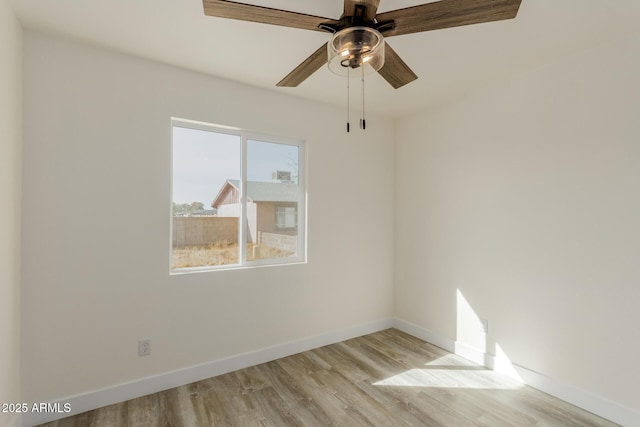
x=304 y=70
x=394 y=70
x=448 y=13
x=265 y=15
x=371 y=5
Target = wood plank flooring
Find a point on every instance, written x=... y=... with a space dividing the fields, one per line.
x=387 y=378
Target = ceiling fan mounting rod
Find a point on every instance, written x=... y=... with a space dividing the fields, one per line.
x=358 y=18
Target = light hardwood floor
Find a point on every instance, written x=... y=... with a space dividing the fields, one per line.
x=387 y=378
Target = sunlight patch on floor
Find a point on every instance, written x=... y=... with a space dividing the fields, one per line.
x=447 y=378
x=453 y=361
x=451 y=371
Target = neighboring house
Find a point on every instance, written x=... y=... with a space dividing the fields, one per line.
x=272 y=207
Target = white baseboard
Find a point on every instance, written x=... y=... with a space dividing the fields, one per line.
x=581 y=398
x=119 y=393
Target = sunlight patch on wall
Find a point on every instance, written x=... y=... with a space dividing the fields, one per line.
x=470 y=330
x=503 y=365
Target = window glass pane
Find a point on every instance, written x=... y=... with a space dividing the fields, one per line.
x=272 y=200
x=206 y=202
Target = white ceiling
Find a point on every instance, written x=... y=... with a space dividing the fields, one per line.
x=448 y=62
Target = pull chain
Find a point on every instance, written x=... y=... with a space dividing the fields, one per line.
x=347 y=99
x=363 y=123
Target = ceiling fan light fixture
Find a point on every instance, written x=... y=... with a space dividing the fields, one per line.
x=353 y=48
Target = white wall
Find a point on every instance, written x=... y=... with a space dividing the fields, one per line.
x=96 y=224
x=526 y=198
x=10 y=194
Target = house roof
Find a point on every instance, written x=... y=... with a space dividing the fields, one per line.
x=258 y=191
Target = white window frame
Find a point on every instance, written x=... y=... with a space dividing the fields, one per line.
x=245 y=136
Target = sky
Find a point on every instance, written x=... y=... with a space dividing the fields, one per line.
x=204 y=160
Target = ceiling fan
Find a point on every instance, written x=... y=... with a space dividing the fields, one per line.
x=358 y=35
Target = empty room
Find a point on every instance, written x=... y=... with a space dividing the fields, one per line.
x=339 y=212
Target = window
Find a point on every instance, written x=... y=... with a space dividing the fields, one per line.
x=286 y=217
x=238 y=198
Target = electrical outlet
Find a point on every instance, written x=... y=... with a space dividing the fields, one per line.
x=484 y=325
x=144 y=347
